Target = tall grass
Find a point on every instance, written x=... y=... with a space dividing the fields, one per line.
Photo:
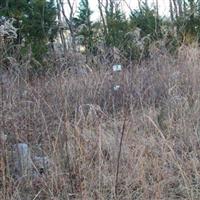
x=139 y=142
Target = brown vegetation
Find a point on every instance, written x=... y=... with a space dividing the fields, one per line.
x=78 y=122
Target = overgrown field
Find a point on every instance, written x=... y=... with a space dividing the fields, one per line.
x=139 y=142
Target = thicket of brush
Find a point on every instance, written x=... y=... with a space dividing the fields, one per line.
x=139 y=142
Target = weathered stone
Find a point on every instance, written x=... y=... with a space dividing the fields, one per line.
x=22 y=160
x=41 y=164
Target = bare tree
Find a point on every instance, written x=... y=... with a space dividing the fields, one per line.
x=180 y=7
x=61 y=29
x=171 y=10
x=69 y=20
x=100 y=6
x=175 y=8
x=107 y=8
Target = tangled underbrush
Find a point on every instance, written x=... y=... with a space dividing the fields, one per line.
x=139 y=141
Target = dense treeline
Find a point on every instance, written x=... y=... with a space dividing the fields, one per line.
x=40 y=24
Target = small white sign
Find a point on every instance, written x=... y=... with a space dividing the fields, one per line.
x=117 y=68
x=116 y=87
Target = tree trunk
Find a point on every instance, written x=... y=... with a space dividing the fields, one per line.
x=171 y=10
x=175 y=9
x=62 y=37
x=102 y=18
x=180 y=8
x=69 y=22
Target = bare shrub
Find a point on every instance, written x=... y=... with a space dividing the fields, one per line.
x=77 y=122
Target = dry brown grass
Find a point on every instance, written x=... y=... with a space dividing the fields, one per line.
x=77 y=122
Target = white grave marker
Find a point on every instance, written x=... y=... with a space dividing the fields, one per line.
x=22 y=156
x=116 y=87
x=117 y=67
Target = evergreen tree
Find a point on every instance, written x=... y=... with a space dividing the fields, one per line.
x=117 y=27
x=16 y=10
x=186 y=20
x=189 y=25
x=147 y=20
x=35 y=20
x=42 y=29
x=84 y=25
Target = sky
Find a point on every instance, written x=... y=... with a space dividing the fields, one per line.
x=133 y=4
